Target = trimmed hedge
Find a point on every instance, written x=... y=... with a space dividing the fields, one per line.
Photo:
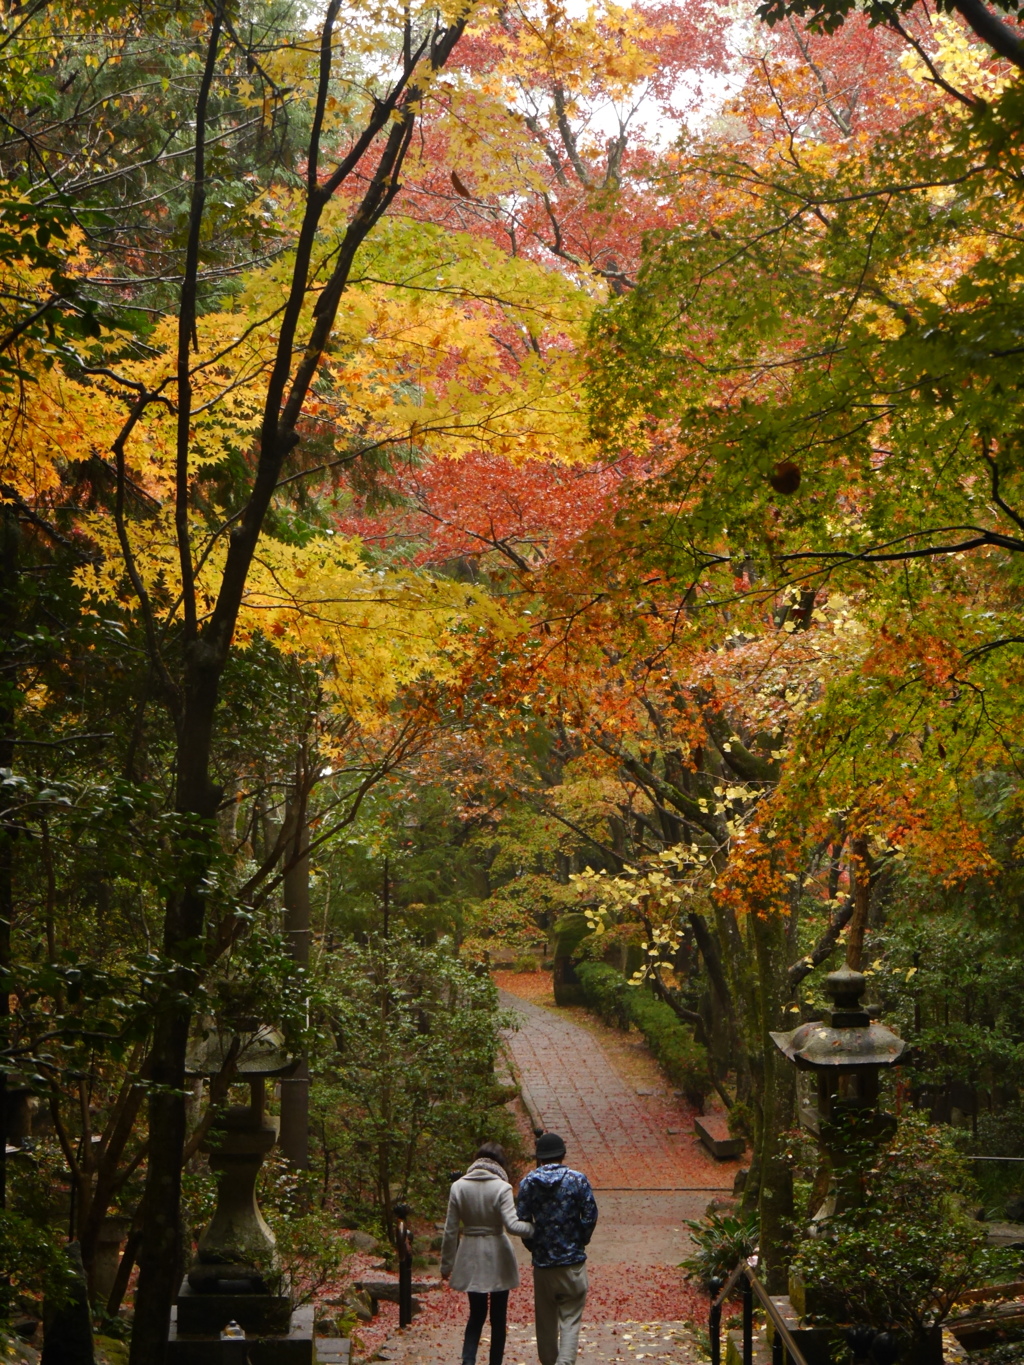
x=610 y=996
x=605 y=992
x=569 y=932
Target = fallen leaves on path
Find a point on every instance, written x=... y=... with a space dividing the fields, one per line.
x=619 y=1293
x=534 y=986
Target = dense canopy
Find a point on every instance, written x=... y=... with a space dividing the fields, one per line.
x=484 y=485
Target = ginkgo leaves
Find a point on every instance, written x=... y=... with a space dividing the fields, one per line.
x=649 y=896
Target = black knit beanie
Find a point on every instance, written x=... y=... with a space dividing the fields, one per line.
x=550 y=1147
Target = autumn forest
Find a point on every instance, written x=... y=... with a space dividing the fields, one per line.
x=496 y=489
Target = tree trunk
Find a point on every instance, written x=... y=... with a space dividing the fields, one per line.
x=860 y=869
x=294 y=1139
x=729 y=999
x=207 y=646
x=161 y=1258
x=777 y=1107
x=10 y=533
x=109 y=1177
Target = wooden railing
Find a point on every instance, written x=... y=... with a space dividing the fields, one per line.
x=784 y=1348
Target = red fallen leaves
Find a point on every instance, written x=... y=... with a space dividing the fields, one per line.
x=527 y=985
x=623 y=1292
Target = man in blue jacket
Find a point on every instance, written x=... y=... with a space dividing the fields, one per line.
x=560 y=1204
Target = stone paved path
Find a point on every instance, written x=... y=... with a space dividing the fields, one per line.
x=662 y=1343
x=650 y=1175
x=571 y=1089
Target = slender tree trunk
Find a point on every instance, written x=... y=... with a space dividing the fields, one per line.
x=295 y=1088
x=10 y=533
x=161 y=1259
x=860 y=869
x=108 y=1174
x=162 y=1255
x=778 y=1105
x=207 y=646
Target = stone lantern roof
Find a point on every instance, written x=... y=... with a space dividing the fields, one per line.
x=847 y=1037
x=261 y=1053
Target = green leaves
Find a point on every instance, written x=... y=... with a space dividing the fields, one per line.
x=35 y=1264
x=722 y=1241
x=827 y=16
x=409 y=1085
x=900 y=1259
x=856 y=310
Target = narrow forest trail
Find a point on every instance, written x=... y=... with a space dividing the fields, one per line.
x=633 y=1137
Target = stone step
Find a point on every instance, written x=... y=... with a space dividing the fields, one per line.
x=815 y=1343
x=713 y=1131
x=761 y=1353
x=1010 y=1235
x=333 y=1350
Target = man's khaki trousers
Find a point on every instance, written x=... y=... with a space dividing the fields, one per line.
x=559 y=1293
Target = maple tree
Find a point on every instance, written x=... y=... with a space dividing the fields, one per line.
x=866 y=338
x=168 y=539
x=148 y=464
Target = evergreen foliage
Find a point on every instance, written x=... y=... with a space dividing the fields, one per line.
x=618 y=1002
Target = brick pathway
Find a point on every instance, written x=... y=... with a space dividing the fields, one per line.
x=634 y=1138
x=571 y=1088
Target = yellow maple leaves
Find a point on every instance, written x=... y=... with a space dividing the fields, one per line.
x=960 y=59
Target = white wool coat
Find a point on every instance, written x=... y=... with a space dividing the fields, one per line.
x=483 y=1261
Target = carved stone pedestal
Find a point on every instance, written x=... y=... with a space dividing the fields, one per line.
x=235 y=1276
x=113 y=1231
x=294 y=1347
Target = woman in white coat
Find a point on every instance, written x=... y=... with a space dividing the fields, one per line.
x=483 y=1262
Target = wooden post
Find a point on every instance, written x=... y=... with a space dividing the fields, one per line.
x=715 y=1322
x=403 y=1245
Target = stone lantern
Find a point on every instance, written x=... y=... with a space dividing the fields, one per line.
x=232 y=1279
x=846 y=1051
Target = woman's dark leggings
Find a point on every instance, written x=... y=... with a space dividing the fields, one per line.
x=477 y=1318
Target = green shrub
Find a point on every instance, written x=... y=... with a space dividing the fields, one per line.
x=614 y=1000
x=681 y=1057
x=900 y=1258
x=35 y=1265
x=721 y=1242
x=568 y=933
x=404 y=1086
x=605 y=992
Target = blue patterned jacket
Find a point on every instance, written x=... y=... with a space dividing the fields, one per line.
x=560 y=1204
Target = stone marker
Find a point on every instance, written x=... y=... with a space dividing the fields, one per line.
x=333 y=1350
